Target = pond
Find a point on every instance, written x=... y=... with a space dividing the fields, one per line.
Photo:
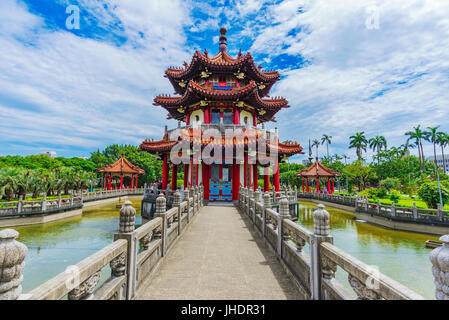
x=54 y=246
x=400 y=255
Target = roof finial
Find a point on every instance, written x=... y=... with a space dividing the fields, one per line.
x=223 y=46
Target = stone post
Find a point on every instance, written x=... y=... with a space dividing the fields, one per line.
x=20 y=205
x=320 y=234
x=415 y=211
x=266 y=205
x=187 y=197
x=161 y=208
x=393 y=209
x=365 y=201
x=283 y=214
x=378 y=206
x=126 y=231
x=439 y=213
x=12 y=256
x=44 y=202
x=177 y=203
x=440 y=269
x=257 y=195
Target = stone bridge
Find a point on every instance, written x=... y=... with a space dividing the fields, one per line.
x=250 y=250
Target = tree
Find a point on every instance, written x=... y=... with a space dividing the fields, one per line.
x=430 y=194
x=443 y=141
x=316 y=143
x=359 y=173
x=326 y=139
x=418 y=135
x=377 y=143
x=359 y=142
x=432 y=136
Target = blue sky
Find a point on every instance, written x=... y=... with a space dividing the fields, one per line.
x=74 y=91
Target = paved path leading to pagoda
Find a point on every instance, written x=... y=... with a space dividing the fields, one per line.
x=219 y=257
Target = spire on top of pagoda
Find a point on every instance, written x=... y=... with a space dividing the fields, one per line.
x=223 y=46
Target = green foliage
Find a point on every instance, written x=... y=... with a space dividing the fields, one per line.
x=359 y=173
x=429 y=193
x=395 y=196
x=374 y=193
x=390 y=183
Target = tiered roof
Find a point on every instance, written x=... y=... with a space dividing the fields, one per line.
x=194 y=93
x=317 y=170
x=122 y=166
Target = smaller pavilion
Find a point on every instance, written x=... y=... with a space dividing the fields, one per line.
x=317 y=171
x=122 y=168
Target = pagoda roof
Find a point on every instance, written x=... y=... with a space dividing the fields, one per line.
x=122 y=166
x=317 y=169
x=249 y=94
x=221 y=62
x=165 y=145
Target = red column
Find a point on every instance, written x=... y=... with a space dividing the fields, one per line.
x=255 y=182
x=255 y=118
x=174 y=177
x=318 y=184
x=207 y=115
x=186 y=175
x=191 y=172
x=328 y=186
x=333 y=190
x=205 y=169
x=266 y=179
x=164 y=171
x=197 y=175
x=188 y=118
x=135 y=184
x=110 y=181
x=236 y=115
x=121 y=181
x=235 y=181
x=245 y=171
x=276 y=177
x=132 y=181
x=307 y=182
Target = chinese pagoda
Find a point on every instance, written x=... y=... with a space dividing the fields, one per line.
x=121 y=168
x=221 y=91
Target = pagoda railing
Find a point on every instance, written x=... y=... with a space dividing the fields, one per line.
x=222 y=128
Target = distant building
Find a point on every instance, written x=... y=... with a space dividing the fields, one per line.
x=84 y=158
x=440 y=160
x=51 y=154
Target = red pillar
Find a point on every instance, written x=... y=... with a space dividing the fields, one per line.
x=205 y=169
x=236 y=115
x=245 y=171
x=164 y=171
x=135 y=184
x=174 y=177
x=235 y=181
x=307 y=181
x=132 y=181
x=328 y=186
x=318 y=184
x=110 y=181
x=255 y=118
x=188 y=118
x=207 y=115
x=266 y=179
x=255 y=182
x=121 y=181
x=191 y=172
x=276 y=177
x=333 y=190
x=186 y=175
x=197 y=174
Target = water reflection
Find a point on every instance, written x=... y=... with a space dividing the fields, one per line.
x=54 y=246
x=400 y=255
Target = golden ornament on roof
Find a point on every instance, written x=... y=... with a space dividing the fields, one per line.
x=262 y=112
x=261 y=85
x=239 y=75
x=182 y=83
x=205 y=74
x=239 y=104
x=204 y=103
x=181 y=109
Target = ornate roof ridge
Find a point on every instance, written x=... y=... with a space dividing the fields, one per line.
x=122 y=165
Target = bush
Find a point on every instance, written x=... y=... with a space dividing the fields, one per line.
x=390 y=183
x=429 y=193
x=395 y=196
x=374 y=193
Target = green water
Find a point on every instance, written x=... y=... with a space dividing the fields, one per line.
x=54 y=246
x=400 y=255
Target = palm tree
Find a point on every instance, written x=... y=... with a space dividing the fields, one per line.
x=418 y=135
x=346 y=157
x=359 y=142
x=377 y=143
x=443 y=141
x=316 y=143
x=432 y=136
x=325 y=139
x=10 y=182
x=337 y=157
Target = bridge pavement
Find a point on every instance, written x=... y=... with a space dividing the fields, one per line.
x=218 y=257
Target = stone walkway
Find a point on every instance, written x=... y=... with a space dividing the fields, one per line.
x=218 y=257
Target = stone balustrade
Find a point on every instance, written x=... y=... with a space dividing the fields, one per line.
x=133 y=256
x=24 y=208
x=313 y=270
